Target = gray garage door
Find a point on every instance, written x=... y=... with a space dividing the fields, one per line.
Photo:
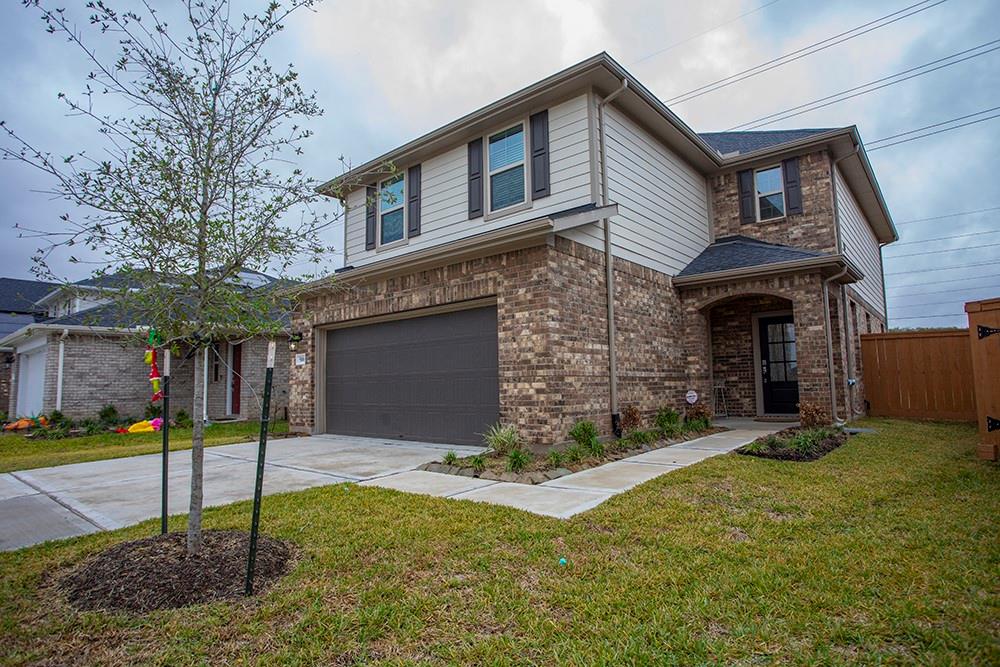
x=432 y=378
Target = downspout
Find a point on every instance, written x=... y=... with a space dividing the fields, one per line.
x=846 y=324
x=59 y=368
x=609 y=266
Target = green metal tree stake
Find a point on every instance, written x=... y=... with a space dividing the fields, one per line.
x=265 y=413
x=165 y=430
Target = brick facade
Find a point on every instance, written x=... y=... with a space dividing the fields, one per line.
x=736 y=301
x=552 y=333
x=813 y=229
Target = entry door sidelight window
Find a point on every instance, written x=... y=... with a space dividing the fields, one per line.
x=783 y=362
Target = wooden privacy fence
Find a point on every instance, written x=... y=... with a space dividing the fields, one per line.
x=919 y=375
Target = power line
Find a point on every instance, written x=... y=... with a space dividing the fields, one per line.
x=942 y=251
x=945 y=291
x=945 y=238
x=804 y=51
x=932 y=125
x=948 y=215
x=930 y=134
x=928 y=317
x=922 y=305
x=942 y=268
x=843 y=95
x=944 y=282
x=704 y=32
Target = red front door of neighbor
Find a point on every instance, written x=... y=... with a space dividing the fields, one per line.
x=237 y=368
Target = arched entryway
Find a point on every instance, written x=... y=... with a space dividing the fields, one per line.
x=754 y=354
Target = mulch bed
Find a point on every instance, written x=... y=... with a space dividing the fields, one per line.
x=824 y=447
x=155 y=572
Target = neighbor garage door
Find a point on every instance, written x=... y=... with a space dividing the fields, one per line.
x=431 y=378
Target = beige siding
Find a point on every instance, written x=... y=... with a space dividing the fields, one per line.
x=663 y=220
x=444 y=190
x=860 y=245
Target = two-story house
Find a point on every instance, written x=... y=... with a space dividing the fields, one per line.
x=574 y=248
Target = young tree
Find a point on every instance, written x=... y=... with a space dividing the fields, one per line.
x=196 y=180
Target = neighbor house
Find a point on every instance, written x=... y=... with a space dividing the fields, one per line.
x=82 y=353
x=17 y=307
x=476 y=284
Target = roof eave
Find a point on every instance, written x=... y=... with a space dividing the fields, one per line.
x=830 y=263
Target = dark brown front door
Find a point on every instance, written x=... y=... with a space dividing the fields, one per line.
x=235 y=378
x=433 y=378
x=779 y=370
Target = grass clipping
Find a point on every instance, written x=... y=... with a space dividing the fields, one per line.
x=156 y=573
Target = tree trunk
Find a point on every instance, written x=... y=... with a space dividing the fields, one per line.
x=197 y=457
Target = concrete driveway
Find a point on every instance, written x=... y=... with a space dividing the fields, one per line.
x=65 y=501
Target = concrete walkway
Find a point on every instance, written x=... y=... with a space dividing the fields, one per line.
x=65 y=501
x=584 y=490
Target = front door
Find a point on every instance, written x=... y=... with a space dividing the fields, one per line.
x=235 y=378
x=779 y=372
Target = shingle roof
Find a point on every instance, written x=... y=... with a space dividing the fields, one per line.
x=738 y=252
x=747 y=142
x=19 y=296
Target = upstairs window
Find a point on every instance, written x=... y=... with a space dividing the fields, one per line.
x=770 y=193
x=506 y=169
x=391 y=210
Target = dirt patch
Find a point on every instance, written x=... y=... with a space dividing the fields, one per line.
x=796 y=444
x=156 y=573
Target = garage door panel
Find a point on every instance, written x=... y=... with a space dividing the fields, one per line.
x=432 y=378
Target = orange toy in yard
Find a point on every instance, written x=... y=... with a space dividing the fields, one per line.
x=26 y=423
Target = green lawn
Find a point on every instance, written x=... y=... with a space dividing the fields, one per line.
x=20 y=453
x=885 y=551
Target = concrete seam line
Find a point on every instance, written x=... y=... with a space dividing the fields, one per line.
x=65 y=505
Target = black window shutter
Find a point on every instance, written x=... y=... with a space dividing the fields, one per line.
x=540 y=154
x=413 y=201
x=748 y=212
x=370 y=212
x=475 y=178
x=793 y=186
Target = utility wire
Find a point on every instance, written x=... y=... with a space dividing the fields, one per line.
x=948 y=215
x=843 y=95
x=945 y=238
x=703 y=32
x=932 y=125
x=928 y=317
x=942 y=251
x=942 y=268
x=944 y=282
x=930 y=134
x=816 y=47
x=922 y=305
x=945 y=291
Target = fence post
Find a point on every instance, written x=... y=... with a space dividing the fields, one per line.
x=165 y=430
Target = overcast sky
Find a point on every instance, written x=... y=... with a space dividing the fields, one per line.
x=386 y=72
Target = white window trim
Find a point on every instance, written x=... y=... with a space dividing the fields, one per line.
x=758 y=195
x=488 y=211
x=378 y=214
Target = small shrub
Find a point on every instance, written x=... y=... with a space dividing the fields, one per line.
x=92 y=427
x=666 y=418
x=584 y=433
x=502 y=439
x=698 y=418
x=109 y=415
x=556 y=458
x=596 y=448
x=56 y=417
x=478 y=462
x=450 y=458
x=53 y=432
x=631 y=419
x=812 y=415
x=643 y=437
x=575 y=453
x=153 y=410
x=518 y=460
x=183 y=419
